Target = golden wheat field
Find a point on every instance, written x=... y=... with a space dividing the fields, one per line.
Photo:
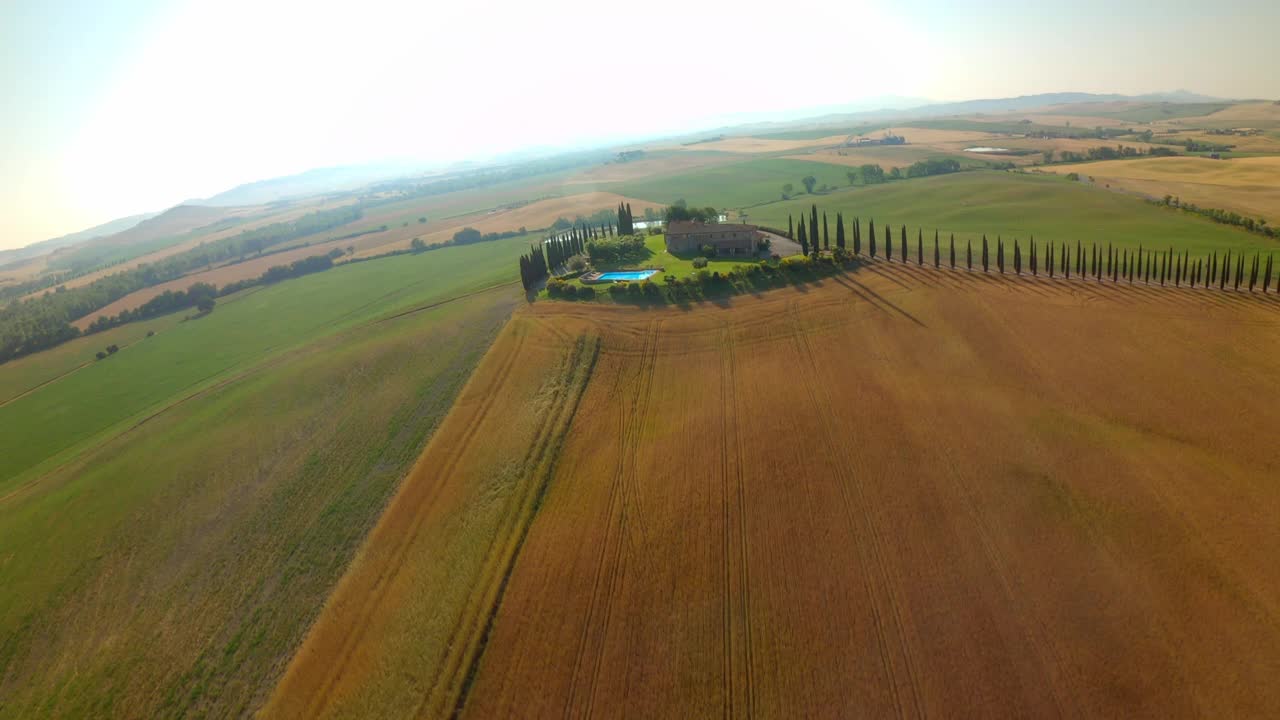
x=1250 y=186
x=895 y=493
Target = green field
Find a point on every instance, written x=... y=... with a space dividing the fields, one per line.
x=742 y=184
x=170 y=566
x=102 y=398
x=1020 y=205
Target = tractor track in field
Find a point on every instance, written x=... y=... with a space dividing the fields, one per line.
x=730 y=383
x=390 y=570
x=876 y=549
x=470 y=635
x=610 y=570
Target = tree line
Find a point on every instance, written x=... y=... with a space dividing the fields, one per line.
x=42 y=322
x=1143 y=265
x=202 y=295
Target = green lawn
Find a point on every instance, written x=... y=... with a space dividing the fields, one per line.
x=1020 y=205
x=45 y=427
x=737 y=185
x=678 y=266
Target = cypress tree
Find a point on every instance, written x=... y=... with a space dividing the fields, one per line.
x=871 y=234
x=1017 y=258
x=840 y=230
x=1048 y=248
x=1000 y=254
x=1224 y=271
x=1164 y=266
x=631 y=221
x=1110 y=264
x=857 y=237
x=903 y=240
x=1066 y=262
x=1034 y=269
x=919 y=246
x=1253 y=272
x=1266 y=279
x=813 y=228
x=791 y=228
x=1239 y=269
x=937 y=252
x=968 y=255
x=953 y=251
x=888 y=242
x=802 y=237
x=1124 y=268
x=826 y=233
x=984 y=252
x=1080 y=261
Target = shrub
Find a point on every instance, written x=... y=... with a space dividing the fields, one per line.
x=556 y=288
x=708 y=251
x=650 y=289
x=699 y=262
x=101 y=355
x=633 y=289
x=113 y=349
x=618 y=288
x=1073 y=176
x=578 y=264
x=150 y=333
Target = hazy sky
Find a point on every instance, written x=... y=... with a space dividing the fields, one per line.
x=115 y=107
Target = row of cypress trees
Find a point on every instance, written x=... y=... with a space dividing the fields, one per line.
x=533 y=267
x=1165 y=267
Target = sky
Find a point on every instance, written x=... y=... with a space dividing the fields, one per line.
x=118 y=107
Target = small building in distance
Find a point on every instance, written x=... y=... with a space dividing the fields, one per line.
x=683 y=236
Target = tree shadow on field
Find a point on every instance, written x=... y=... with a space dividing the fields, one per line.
x=876 y=300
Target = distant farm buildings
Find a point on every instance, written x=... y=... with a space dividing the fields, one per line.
x=725 y=238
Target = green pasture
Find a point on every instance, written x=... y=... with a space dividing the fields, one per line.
x=48 y=426
x=1019 y=205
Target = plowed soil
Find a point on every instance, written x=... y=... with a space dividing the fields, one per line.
x=898 y=493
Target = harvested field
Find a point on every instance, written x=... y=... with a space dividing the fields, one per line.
x=900 y=493
x=1250 y=186
x=747 y=144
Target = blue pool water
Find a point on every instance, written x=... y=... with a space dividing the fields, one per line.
x=630 y=275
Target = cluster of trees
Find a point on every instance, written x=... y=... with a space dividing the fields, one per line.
x=1106 y=152
x=626 y=223
x=1226 y=217
x=560 y=249
x=533 y=267
x=199 y=295
x=623 y=248
x=680 y=210
x=45 y=321
x=933 y=166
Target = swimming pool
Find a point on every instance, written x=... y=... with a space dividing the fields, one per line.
x=631 y=275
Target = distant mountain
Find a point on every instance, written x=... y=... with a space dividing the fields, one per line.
x=37 y=249
x=311 y=182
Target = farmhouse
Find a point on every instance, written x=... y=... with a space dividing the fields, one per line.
x=726 y=239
